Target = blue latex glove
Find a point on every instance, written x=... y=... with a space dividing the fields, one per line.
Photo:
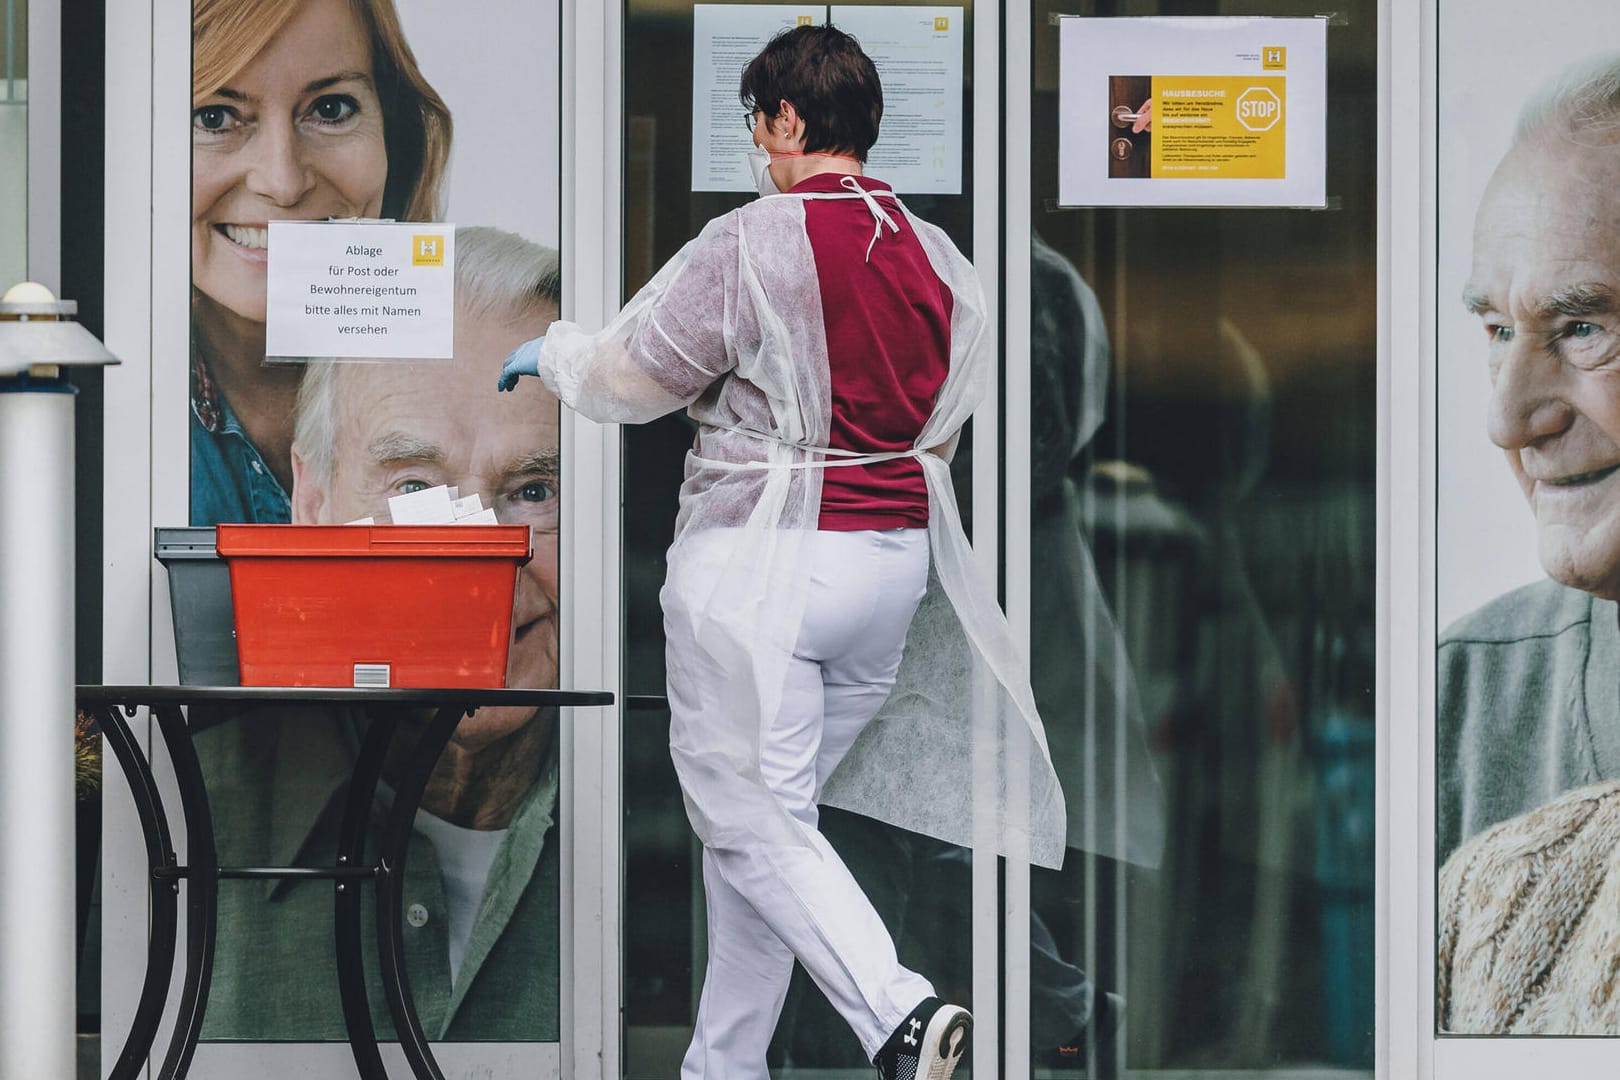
x=525 y=360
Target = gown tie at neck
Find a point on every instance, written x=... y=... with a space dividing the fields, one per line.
x=880 y=216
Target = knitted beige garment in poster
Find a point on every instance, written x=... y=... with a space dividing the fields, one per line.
x=1529 y=923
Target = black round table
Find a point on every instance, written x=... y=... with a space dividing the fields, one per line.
x=114 y=706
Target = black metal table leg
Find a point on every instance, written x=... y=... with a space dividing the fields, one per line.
x=160 y=940
x=202 y=890
x=346 y=907
x=113 y=705
x=390 y=890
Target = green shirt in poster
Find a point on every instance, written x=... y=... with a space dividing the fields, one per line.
x=276 y=781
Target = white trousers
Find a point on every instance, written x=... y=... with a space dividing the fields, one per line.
x=770 y=903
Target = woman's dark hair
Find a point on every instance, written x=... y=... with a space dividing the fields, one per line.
x=830 y=81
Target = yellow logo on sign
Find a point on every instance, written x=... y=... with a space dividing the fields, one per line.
x=1274 y=58
x=807 y=20
x=942 y=23
x=427 y=250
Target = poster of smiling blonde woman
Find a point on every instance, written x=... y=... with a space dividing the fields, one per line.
x=1528 y=530
x=305 y=110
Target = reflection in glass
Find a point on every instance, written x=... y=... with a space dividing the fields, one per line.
x=1225 y=361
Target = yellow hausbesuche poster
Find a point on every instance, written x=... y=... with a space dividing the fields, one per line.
x=1219 y=126
x=1192 y=111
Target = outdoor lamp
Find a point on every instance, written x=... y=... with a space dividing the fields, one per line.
x=39 y=340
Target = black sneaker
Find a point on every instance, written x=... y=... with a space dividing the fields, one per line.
x=927 y=1044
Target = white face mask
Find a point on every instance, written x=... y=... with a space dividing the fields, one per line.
x=759 y=164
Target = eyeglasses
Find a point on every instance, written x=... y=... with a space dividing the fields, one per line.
x=748 y=120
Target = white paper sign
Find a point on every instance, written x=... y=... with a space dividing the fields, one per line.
x=918 y=53
x=361 y=290
x=725 y=38
x=1174 y=111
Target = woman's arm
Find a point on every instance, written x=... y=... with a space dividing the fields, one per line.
x=612 y=381
x=663 y=350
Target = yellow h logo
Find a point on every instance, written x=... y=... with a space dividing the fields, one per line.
x=427 y=250
x=942 y=23
x=807 y=20
x=1274 y=58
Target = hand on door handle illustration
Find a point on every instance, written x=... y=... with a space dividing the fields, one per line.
x=1139 y=121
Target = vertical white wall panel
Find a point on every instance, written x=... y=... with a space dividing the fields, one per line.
x=988 y=114
x=1405 y=1008
x=591 y=246
x=127 y=513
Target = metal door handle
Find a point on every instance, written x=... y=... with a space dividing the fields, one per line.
x=1123 y=117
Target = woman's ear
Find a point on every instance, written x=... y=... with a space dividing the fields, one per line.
x=787 y=123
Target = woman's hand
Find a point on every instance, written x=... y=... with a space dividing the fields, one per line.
x=1144 y=118
x=524 y=360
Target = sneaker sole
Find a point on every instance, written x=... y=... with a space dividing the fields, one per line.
x=944 y=1043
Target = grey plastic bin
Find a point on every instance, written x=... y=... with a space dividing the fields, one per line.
x=200 y=600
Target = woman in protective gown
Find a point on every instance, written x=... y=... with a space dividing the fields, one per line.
x=829 y=347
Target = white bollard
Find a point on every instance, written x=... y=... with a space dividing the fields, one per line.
x=37 y=1001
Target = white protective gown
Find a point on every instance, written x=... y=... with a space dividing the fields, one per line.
x=737 y=312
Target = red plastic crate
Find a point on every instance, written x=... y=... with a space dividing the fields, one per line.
x=373 y=605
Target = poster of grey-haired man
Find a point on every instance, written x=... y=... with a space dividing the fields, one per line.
x=308 y=110
x=482 y=880
x=1528 y=681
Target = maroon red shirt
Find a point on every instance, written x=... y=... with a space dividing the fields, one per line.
x=887 y=320
x=888 y=324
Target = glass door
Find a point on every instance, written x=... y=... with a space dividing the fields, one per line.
x=683 y=167
x=1195 y=424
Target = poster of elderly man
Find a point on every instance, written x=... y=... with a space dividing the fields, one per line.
x=1528 y=530
x=309 y=110
x=482 y=877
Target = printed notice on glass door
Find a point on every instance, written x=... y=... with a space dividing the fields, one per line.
x=360 y=290
x=725 y=38
x=1192 y=112
x=918 y=54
